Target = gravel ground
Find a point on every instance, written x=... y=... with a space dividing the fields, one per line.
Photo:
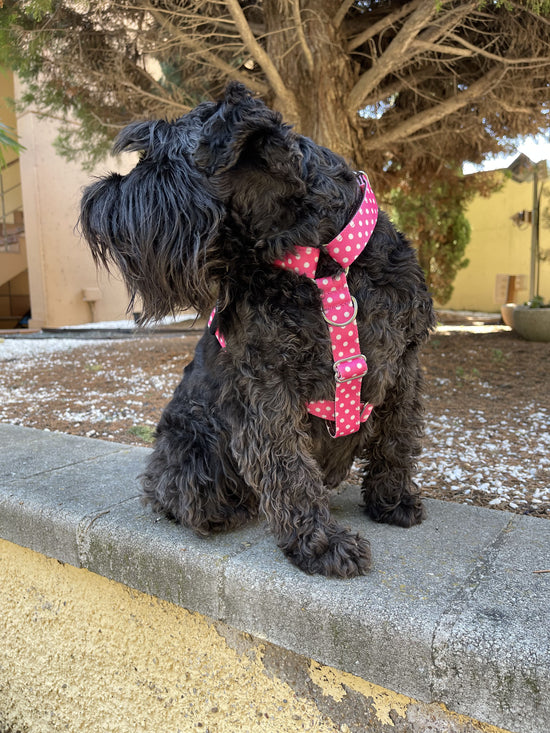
x=487 y=398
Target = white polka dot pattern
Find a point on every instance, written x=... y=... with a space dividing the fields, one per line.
x=351 y=241
x=350 y=365
x=304 y=262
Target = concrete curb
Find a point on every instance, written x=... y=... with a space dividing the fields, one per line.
x=452 y=612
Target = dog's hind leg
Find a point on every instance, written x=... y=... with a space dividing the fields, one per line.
x=190 y=476
x=394 y=443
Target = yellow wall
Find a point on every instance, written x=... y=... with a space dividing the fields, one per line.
x=7 y=113
x=497 y=246
x=82 y=653
x=11 y=262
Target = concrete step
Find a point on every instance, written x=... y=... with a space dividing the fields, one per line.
x=455 y=611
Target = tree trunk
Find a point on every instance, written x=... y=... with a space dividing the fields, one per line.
x=309 y=55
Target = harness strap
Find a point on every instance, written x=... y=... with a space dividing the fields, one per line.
x=347 y=412
x=219 y=334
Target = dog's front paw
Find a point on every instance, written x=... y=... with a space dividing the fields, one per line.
x=406 y=513
x=331 y=551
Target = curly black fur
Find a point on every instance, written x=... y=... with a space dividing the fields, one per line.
x=217 y=196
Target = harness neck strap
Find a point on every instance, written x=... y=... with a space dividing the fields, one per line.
x=346 y=247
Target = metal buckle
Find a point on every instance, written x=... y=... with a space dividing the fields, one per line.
x=342 y=380
x=331 y=432
x=332 y=323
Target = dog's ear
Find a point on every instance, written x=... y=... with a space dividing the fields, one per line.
x=158 y=224
x=243 y=127
x=146 y=136
x=160 y=140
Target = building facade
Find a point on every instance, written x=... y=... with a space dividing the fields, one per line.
x=48 y=277
x=500 y=246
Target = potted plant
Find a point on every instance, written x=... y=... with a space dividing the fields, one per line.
x=532 y=320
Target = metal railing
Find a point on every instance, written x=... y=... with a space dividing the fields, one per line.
x=11 y=207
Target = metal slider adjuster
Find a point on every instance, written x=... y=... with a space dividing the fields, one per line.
x=361 y=374
x=346 y=323
x=366 y=410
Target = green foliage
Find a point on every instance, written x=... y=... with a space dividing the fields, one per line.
x=146 y=433
x=36 y=10
x=437 y=225
x=8 y=140
x=464 y=376
x=540 y=7
x=94 y=367
x=95 y=66
x=99 y=65
x=439 y=230
x=537 y=301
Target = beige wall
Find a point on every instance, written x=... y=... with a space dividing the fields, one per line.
x=497 y=246
x=81 y=653
x=59 y=263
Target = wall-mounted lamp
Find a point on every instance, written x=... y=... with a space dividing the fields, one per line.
x=522 y=219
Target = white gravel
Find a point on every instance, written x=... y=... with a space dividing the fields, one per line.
x=12 y=349
x=459 y=457
x=129 y=390
x=470 y=459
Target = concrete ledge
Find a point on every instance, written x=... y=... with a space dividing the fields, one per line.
x=452 y=611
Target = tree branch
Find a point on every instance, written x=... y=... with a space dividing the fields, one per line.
x=126 y=83
x=189 y=40
x=437 y=112
x=261 y=57
x=523 y=8
x=386 y=22
x=301 y=35
x=393 y=57
x=438 y=30
x=341 y=13
x=412 y=81
x=493 y=56
x=441 y=48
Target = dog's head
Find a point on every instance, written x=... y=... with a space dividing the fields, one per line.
x=228 y=175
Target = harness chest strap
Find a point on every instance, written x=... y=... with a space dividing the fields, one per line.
x=347 y=412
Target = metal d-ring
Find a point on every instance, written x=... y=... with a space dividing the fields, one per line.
x=332 y=323
x=362 y=174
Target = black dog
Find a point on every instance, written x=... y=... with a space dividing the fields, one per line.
x=218 y=210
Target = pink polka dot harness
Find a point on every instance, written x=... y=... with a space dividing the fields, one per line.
x=346 y=411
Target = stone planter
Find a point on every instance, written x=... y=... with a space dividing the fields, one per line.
x=531 y=323
x=506 y=313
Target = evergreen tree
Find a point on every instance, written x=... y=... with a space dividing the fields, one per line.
x=405 y=90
